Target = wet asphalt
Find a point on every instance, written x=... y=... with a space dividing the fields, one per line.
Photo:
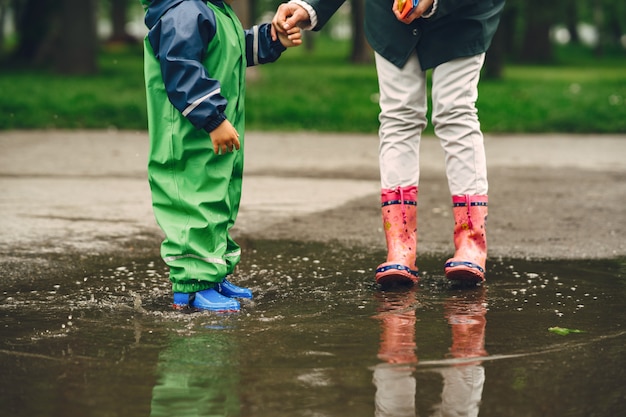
x=87 y=327
x=68 y=195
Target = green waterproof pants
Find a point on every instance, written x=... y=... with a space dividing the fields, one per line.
x=196 y=193
x=195 y=197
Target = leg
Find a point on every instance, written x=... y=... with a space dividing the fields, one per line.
x=233 y=250
x=455 y=119
x=402 y=120
x=455 y=91
x=189 y=186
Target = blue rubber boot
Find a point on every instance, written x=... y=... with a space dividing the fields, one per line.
x=229 y=289
x=205 y=300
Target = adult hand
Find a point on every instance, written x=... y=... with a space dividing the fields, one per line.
x=288 y=15
x=422 y=7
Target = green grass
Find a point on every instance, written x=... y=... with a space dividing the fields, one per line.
x=575 y=100
x=321 y=91
x=113 y=98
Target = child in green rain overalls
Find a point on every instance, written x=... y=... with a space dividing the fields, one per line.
x=196 y=54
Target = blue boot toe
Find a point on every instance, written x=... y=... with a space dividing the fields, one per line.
x=206 y=300
x=229 y=289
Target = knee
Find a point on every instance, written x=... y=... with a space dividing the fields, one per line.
x=460 y=116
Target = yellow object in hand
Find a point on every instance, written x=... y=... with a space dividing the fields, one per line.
x=405 y=7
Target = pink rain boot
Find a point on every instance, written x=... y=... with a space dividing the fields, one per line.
x=399 y=211
x=470 y=239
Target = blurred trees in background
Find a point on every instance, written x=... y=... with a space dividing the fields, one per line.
x=60 y=34
x=63 y=34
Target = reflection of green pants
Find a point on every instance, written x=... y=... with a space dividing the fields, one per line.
x=197 y=377
x=195 y=196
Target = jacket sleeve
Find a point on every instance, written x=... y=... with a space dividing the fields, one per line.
x=179 y=41
x=260 y=48
x=325 y=9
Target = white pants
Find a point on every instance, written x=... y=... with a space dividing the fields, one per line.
x=403 y=105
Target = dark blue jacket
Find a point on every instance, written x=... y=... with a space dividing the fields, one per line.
x=458 y=28
x=181 y=49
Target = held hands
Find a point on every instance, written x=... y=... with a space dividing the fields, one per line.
x=289 y=38
x=422 y=7
x=288 y=17
x=225 y=138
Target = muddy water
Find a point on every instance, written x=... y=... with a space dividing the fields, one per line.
x=319 y=340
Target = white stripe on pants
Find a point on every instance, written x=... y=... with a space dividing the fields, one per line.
x=402 y=118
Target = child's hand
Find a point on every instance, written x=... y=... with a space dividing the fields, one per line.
x=225 y=138
x=291 y=37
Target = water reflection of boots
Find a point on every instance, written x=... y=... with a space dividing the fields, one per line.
x=466 y=316
x=463 y=383
x=395 y=385
x=396 y=313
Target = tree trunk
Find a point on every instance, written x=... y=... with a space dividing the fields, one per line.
x=77 y=49
x=4 y=4
x=118 y=23
x=536 y=44
x=571 y=21
x=361 y=51
x=599 y=20
x=35 y=23
x=494 y=60
x=501 y=43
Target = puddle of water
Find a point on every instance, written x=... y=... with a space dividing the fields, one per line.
x=320 y=340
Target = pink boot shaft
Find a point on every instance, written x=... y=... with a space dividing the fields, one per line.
x=399 y=213
x=470 y=239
